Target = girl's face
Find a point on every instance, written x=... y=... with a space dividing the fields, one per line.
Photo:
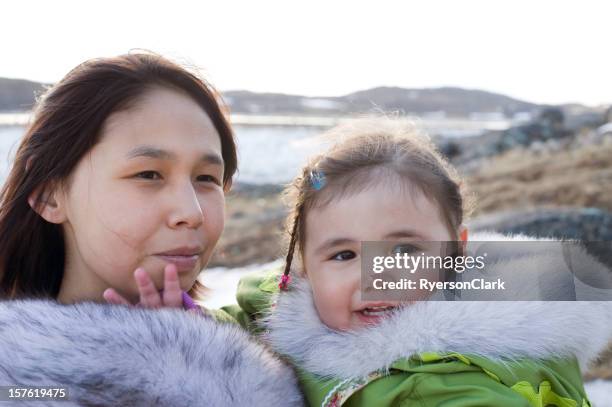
x=149 y=193
x=332 y=246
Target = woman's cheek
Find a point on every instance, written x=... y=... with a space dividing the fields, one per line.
x=142 y=219
x=213 y=209
x=125 y=225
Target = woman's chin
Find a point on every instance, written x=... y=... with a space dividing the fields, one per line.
x=184 y=264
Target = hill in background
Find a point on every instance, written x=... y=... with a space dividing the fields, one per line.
x=445 y=101
x=19 y=95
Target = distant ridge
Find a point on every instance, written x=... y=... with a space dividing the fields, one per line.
x=19 y=95
x=452 y=100
x=448 y=100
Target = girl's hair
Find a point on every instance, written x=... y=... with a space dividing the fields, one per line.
x=66 y=124
x=366 y=152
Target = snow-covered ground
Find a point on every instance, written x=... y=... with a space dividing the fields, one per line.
x=222 y=282
x=599 y=392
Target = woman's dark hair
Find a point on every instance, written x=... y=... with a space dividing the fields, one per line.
x=66 y=124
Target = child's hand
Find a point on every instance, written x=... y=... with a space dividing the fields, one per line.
x=171 y=296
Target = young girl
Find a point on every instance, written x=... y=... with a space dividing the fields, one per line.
x=382 y=182
x=117 y=194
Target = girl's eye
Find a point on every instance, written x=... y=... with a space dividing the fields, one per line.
x=153 y=175
x=404 y=249
x=344 y=255
x=208 y=178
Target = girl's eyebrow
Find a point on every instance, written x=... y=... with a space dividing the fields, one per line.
x=158 y=153
x=339 y=241
x=333 y=242
x=405 y=233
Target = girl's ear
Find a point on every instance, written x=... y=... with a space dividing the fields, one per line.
x=50 y=205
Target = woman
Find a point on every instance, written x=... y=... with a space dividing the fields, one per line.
x=117 y=192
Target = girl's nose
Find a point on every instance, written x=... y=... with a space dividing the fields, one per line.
x=186 y=208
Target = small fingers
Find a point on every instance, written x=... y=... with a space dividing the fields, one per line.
x=172 y=296
x=113 y=297
x=149 y=296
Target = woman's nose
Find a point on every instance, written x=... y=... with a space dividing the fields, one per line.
x=186 y=208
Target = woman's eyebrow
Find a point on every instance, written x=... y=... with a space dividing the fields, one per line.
x=158 y=153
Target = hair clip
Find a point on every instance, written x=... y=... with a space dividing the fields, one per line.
x=285 y=280
x=317 y=179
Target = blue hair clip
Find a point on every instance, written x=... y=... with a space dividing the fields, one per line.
x=317 y=179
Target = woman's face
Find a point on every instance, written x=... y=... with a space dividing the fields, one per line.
x=149 y=193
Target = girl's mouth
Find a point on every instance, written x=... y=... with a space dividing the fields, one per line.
x=377 y=310
x=373 y=314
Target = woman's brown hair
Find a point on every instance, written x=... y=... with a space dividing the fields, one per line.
x=66 y=124
x=370 y=151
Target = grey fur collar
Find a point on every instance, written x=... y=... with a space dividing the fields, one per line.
x=113 y=355
x=499 y=330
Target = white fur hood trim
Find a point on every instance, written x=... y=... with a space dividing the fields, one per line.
x=495 y=329
x=108 y=355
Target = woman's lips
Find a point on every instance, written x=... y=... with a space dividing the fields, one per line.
x=182 y=263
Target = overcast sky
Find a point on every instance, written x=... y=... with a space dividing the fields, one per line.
x=540 y=51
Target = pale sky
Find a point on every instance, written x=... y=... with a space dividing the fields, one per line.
x=539 y=50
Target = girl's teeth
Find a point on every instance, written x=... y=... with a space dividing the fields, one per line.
x=376 y=310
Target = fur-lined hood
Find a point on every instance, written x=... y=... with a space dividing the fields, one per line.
x=114 y=355
x=500 y=330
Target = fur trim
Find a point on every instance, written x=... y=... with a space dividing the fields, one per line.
x=500 y=330
x=115 y=355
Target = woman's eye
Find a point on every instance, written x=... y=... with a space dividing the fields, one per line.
x=404 y=249
x=153 y=175
x=344 y=255
x=208 y=178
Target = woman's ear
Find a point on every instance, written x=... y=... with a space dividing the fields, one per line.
x=48 y=202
